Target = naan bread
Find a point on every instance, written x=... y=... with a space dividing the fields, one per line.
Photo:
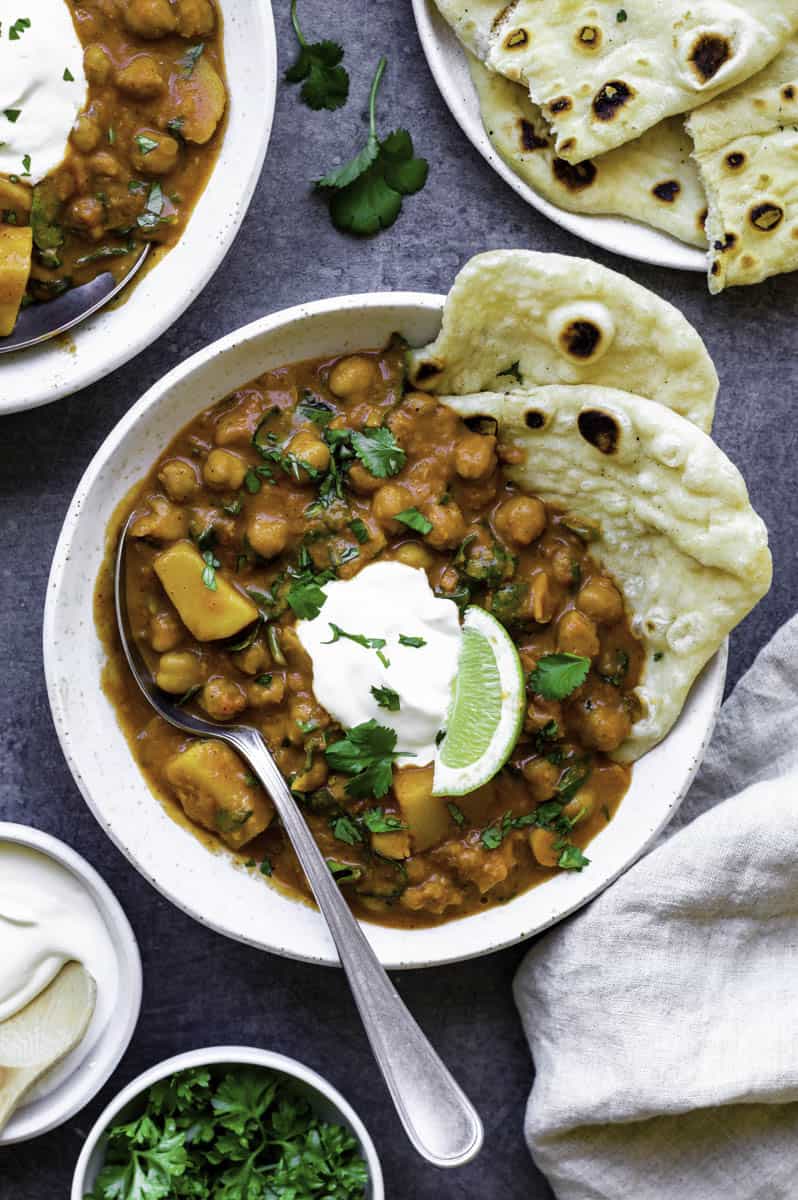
x=603 y=73
x=474 y=21
x=652 y=179
x=677 y=530
x=517 y=317
x=746 y=147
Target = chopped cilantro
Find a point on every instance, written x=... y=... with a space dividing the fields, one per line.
x=414 y=519
x=212 y=565
x=415 y=642
x=379 y=451
x=558 y=675
x=191 y=57
x=376 y=821
x=359 y=529
x=456 y=813
x=386 y=698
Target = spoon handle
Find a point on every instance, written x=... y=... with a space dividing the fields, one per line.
x=438 y=1117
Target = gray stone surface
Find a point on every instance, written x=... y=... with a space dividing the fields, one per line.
x=199 y=988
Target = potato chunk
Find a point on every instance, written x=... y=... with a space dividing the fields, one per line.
x=16 y=250
x=201 y=101
x=425 y=815
x=16 y=198
x=208 y=614
x=216 y=790
x=391 y=845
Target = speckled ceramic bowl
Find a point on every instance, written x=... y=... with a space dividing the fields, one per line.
x=210 y=887
x=117 y=333
x=328 y=1103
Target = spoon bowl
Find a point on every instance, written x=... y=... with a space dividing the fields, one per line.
x=438 y=1117
x=40 y=322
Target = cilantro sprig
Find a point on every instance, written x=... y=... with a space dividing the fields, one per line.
x=365 y=193
x=367 y=753
x=237 y=1135
x=325 y=83
x=556 y=676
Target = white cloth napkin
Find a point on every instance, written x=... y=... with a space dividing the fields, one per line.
x=663 y=1019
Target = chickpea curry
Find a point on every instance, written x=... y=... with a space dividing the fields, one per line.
x=297 y=480
x=139 y=153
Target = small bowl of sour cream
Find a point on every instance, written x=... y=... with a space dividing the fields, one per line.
x=54 y=909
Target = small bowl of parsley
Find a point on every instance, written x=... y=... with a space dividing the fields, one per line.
x=233 y=1122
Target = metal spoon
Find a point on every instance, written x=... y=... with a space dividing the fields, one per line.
x=438 y=1117
x=40 y=322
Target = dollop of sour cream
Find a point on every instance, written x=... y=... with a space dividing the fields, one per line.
x=42 y=86
x=47 y=919
x=391 y=603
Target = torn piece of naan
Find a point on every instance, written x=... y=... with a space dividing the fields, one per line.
x=746 y=147
x=603 y=72
x=669 y=518
x=652 y=179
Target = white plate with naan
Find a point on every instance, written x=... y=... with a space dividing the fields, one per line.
x=448 y=63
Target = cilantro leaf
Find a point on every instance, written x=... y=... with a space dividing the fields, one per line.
x=345 y=830
x=379 y=451
x=318 y=64
x=558 y=675
x=376 y=821
x=456 y=813
x=306 y=598
x=366 y=192
x=367 y=753
x=386 y=698
x=413 y=519
x=572 y=858
x=212 y=565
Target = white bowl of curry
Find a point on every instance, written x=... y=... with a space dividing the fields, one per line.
x=173 y=103
x=451 y=893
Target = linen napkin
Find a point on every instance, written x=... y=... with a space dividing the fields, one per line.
x=663 y=1019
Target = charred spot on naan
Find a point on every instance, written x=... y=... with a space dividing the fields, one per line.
x=574 y=176
x=734 y=160
x=708 y=55
x=599 y=429
x=581 y=339
x=534 y=419
x=611 y=98
x=728 y=243
x=589 y=38
x=766 y=216
x=667 y=191
x=561 y=105
x=516 y=39
x=529 y=137
x=788 y=92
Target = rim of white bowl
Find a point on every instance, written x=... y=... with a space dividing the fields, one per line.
x=234 y=1056
x=121 y=340
x=619 y=235
x=580 y=889
x=71 y=1095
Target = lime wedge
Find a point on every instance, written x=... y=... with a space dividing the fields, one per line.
x=487 y=708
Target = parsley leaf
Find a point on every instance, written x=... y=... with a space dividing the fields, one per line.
x=379 y=451
x=414 y=519
x=558 y=675
x=366 y=752
x=318 y=64
x=386 y=698
x=365 y=193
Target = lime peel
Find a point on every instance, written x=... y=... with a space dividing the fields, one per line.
x=487 y=708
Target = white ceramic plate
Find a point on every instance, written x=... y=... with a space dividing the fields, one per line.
x=100 y=345
x=83 y=1072
x=325 y=1099
x=207 y=886
x=447 y=62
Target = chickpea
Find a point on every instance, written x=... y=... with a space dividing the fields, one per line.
x=310 y=449
x=541 y=713
x=164 y=521
x=195 y=18
x=542 y=842
x=581 y=806
x=224 y=470
x=254 y=660
x=392 y=498
x=413 y=554
x=542 y=776
x=475 y=456
x=222 y=698
x=86 y=134
x=522 y=519
x=86 y=214
x=267 y=534
x=261 y=693
x=542 y=599
x=104 y=163
x=600 y=599
x=576 y=634
x=157 y=159
x=165 y=632
x=149 y=18
x=448 y=525
x=563 y=564
x=141 y=78
x=362 y=480
x=179 y=479
x=600 y=725
x=179 y=671
x=352 y=375
x=314 y=777
x=97 y=64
